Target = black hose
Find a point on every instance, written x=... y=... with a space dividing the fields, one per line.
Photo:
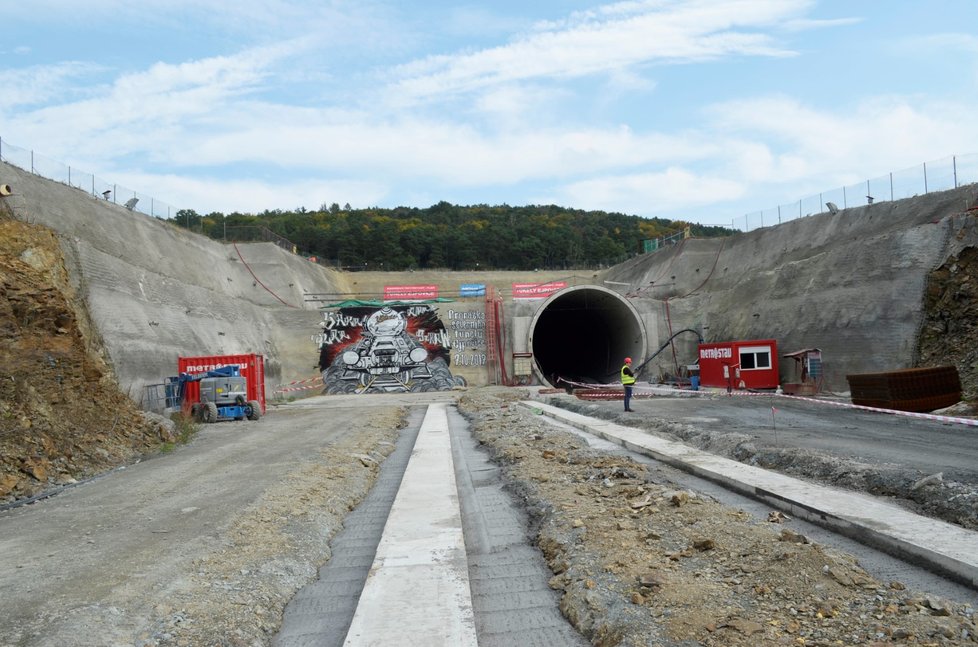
x=663 y=347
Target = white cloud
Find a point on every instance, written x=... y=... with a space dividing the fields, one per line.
x=805 y=24
x=943 y=42
x=36 y=85
x=876 y=135
x=208 y=194
x=559 y=110
x=616 y=38
x=664 y=193
x=241 y=15
x=144 y=112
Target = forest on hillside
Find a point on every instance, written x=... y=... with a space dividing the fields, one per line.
x=446 y=236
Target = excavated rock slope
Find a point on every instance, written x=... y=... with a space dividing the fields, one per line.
x=876 y=288
x=62 y=416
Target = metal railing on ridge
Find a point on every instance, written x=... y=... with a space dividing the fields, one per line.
x=133 y=200
x=939 y=175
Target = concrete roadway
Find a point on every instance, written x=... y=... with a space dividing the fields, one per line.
x=875 y=438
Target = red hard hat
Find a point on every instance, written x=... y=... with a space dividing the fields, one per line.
x=628 y=360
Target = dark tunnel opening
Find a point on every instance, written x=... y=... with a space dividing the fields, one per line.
x=583 y=334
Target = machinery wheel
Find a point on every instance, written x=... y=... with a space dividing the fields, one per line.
x=254 y=410
x=209 y=413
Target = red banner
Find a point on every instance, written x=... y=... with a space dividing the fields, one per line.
x=410 y=292
x=537 y=290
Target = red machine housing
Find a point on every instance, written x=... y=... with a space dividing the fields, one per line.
x=251 y=367
x=751 y=364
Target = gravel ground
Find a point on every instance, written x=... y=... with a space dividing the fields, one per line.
x=203 y=546
x=637 y=560
x=640 y=562
x=927 y=467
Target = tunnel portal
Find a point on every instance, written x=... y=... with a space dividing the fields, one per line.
x=582 y=334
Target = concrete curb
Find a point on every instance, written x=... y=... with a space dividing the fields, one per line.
x=418 y=591
x=947 y=549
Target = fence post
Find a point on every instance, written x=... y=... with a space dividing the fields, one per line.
x=32 y=162
x=954 y=166
x=69 y=175
x=845 y=201
x=925 y=177
x=779 y=214
x=891 y=186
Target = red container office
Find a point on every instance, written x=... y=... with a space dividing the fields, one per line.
x=749 y=364
x=251 y=367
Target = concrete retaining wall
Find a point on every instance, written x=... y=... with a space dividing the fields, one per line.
x=849 y=283
x=155 y=292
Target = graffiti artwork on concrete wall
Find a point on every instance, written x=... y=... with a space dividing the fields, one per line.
x=395 y=348
x=468 y=330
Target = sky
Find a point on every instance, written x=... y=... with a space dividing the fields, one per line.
x=696 y=110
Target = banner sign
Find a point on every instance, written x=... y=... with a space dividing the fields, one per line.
x=410 y=292
x=472 y=290
x=537 y=290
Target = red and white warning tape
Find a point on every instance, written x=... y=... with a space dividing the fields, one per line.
x=311 y=383
x=971 y=422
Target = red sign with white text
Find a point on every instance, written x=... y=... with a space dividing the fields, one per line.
x=537 y=290
x=410 y=292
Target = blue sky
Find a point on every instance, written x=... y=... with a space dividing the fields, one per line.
x=696 y=110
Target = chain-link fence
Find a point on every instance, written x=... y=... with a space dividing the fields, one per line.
x=940 y=175
x=87 y=182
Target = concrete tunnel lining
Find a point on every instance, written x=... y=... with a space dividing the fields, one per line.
x=583 y=333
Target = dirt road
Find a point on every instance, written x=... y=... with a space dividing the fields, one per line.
x=216 y=534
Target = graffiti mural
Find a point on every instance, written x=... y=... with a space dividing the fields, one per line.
x=395 y=348
x=468 y=329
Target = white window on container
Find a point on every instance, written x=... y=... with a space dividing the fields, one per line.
x=755 y=358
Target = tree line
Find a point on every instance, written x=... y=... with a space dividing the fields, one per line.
x=447 y=236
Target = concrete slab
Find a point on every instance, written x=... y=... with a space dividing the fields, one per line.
x=321 y=613
x=421 y=562
x=942 y=547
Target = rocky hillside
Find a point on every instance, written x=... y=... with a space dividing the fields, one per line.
x=62 y=416
x=949 y=336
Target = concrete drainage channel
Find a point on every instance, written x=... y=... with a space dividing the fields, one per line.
x=510 y=601
x=321 y=613
x=882 y=565
x=511 y=598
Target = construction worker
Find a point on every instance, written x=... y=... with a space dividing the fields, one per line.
x=627 y=380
